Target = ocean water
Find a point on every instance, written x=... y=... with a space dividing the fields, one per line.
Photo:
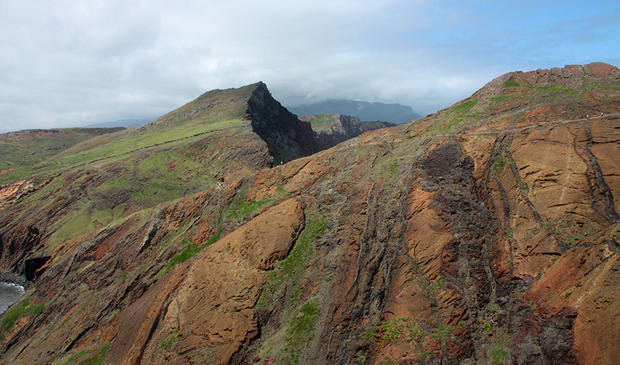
x=9 y=294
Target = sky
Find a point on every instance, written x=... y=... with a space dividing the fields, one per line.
x=75 y=63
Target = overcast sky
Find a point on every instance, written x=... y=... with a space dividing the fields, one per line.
x=74 y=63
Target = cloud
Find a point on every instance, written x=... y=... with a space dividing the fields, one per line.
x=66 y=63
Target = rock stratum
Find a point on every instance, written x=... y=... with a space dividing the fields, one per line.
x=484 y=233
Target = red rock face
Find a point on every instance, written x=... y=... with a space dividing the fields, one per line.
x=485 y=233
x=12 y=192
x=599 y=69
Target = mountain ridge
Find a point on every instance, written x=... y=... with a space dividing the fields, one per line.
x=220 y=136
x=483 y=233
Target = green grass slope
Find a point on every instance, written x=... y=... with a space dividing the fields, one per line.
x=102 y=179
x=212 y=112
x=29 y=147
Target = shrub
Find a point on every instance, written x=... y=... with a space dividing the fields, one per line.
x=21 y=309
x=512 y=83
x=498 y=165
x=190 y=250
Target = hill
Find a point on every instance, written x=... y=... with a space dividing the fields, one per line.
x=221 y=136
x=366 y=111
x=25 y=148
x=484 y=233
x=125 y=123
x=331 y=129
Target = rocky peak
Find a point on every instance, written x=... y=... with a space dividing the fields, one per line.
x=286 y=136
x=569 y=75
x=557 y=80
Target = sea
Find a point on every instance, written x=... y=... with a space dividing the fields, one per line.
x=9 y=294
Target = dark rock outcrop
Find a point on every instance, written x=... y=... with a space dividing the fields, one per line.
x=35 y=266
x=286 y=136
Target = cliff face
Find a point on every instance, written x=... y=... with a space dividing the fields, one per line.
x=485 y=233
x=287 y=137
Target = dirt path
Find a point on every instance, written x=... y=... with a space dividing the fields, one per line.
x=557 y=122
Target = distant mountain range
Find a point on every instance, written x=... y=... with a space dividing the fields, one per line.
x=366 y=111
x=127 y=123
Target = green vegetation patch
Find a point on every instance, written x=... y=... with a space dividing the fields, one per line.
x=573 y=231
x=410 y=331
x=28 y=148
x=300 y=331
x=241 y=208
x=134 y=140
x=98 y=358
x=169 y=175
x=546 y=90
x=386 y=168
x=555 y=88
x=22 y=309
x=170 y=340
x=190 y=250
x=137 y=184
x=291 y=269
x=322 y=122
x=503 y=98
x=464 y=107
x=398 y=330
x=116 y=146
x=160 y=177
x=393 y=167
x=455 y=116
x=498 y=165
x=513 y=83
x=87 y=219
x=499 y=354
x=499 y=351
x=563 y=91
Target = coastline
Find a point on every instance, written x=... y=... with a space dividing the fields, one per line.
x=12 y=278
x=12 y=288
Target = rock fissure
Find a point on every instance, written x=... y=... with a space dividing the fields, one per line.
x=607 y=196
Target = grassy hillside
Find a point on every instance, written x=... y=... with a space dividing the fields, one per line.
x=212 y=112
x=90 y=184
x=322 y=122
x=30 y=147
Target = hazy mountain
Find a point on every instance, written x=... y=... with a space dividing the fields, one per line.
x=127 y=123
x=366 y=111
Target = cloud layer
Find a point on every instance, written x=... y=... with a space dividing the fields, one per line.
x=68 y=63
